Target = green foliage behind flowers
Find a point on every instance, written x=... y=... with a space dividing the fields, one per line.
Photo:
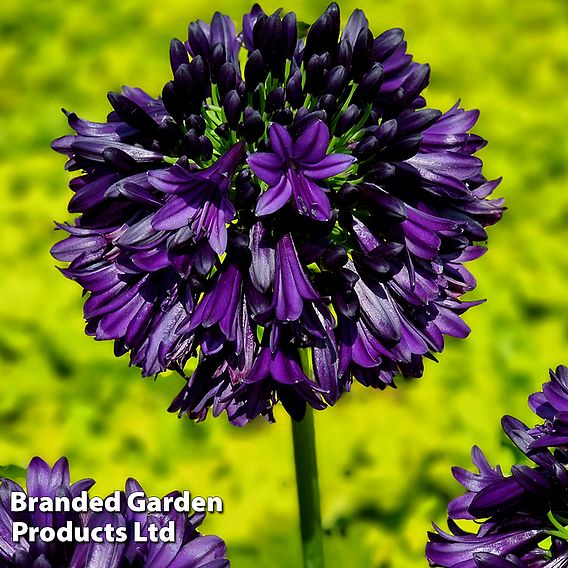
x=384 y=456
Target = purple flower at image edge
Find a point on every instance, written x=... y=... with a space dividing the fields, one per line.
x=188 y=550
x=521 y=517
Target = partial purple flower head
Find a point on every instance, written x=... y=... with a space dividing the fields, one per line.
x=275 y=230
x=118 y=549
x=552 y=406
x=522 y=517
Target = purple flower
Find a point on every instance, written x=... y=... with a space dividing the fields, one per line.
x=188 y=550
x=301 y=214
x=292 y=288
x=467 y=550
x=292 y=168
x=516 y=513
x=552 y=406
x=198 y=200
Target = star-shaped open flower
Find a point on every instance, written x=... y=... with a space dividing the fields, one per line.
x=292 y=168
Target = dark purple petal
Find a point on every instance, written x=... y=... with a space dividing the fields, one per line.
x=267 y=167
x=206 y=552
x=93 y=150
x=458 y=550
x=286 y=370
x=262 y=264
x=357 y=22
x=280 y=140
x=248 y=24
x=458 y=166
x=311 y=145
x=223 y=32
x=310 y=198
x=330 y=166
x=291 y=285
x=274 y=198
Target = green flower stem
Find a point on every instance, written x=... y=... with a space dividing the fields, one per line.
x=562 y=531
x=303 y=434
x=343 y=108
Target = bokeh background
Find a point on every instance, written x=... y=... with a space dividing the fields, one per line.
x=384 y=456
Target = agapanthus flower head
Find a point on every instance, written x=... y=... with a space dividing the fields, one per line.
x=280 y=227
x=83 y=546
x=522 y=517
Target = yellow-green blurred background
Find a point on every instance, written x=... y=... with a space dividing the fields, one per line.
x=384 y=456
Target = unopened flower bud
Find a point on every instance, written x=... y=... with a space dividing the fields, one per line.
x=206 y=147
x=314 y=74
x=362 y=53
x=131 y=113
x=327 y=103
x=254 y=70
x=217 y=59
x=178 y=54
x=275 y=99
x=347 y=119
x=197 y=40
x=385 y=44
x=334 y=257
x=294 y=94
x=336 y=81
x=290 y=33
x=232 y=107
x=197 y=122
x=283 y=116
x=226 y=79
x=370 y=84
x=344 y=54
x=172 y=101
x=191 y=144
x=253 y=125
x=366 y=148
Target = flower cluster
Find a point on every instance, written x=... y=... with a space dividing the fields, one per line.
x=281 y=227
x=522 y=517
x=190 y=549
